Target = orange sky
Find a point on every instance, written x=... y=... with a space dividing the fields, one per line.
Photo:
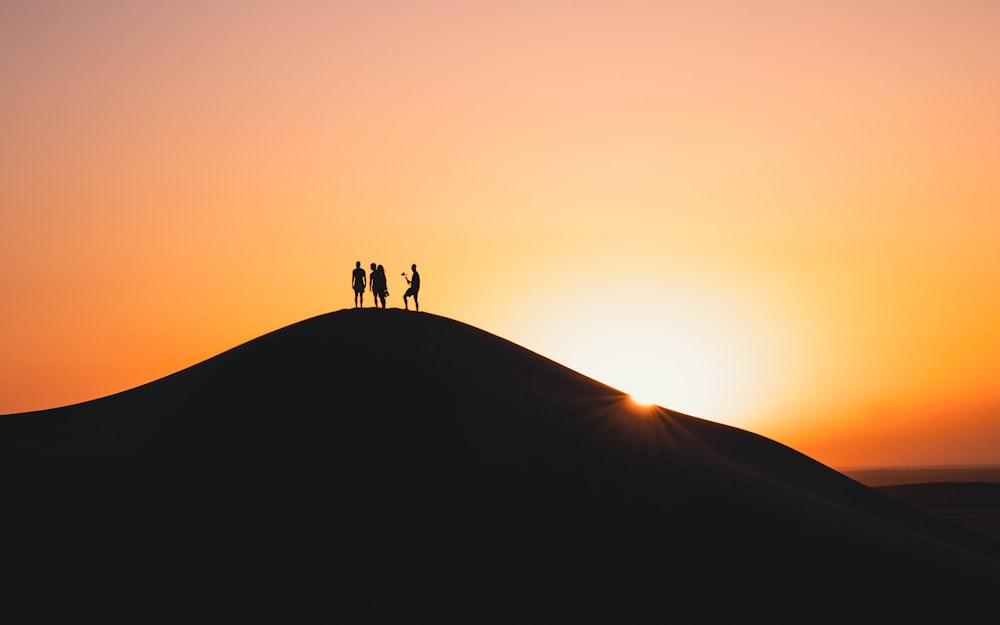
x=780 y=215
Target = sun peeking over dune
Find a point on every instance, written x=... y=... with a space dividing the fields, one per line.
x=702 y=348
x=641 y=400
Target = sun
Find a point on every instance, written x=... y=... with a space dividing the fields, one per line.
x=696 y=372
x=641 y=399
x=704 y=358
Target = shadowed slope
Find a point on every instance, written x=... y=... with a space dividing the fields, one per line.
x=376 y=457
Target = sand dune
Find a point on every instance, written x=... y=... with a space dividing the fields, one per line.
x=373 y=458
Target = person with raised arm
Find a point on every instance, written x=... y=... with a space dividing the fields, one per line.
x=414 y=283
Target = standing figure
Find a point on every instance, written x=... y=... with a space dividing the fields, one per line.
x=414 y=288
x=379 y=290
x=358 y=284
x=371 y=284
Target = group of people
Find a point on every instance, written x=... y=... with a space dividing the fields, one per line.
x=380 y=290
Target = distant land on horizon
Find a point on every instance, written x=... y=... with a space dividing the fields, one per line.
x=894 y=475
x=967 y=495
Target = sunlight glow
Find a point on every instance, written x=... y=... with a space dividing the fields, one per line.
x=708 y=353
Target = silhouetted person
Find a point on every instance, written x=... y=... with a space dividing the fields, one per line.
x=414 y=288
x=379 y=290
x=371 y=284
x=358 y=284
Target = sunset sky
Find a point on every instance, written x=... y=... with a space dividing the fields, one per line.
x=783 y=215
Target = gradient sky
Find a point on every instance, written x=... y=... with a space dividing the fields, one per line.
x=782 y=215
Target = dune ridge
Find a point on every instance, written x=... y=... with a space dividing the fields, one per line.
x=385 y=458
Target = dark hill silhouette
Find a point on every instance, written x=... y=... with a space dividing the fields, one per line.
x=384 y=458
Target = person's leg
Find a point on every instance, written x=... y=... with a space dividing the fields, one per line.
x=416 y=302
